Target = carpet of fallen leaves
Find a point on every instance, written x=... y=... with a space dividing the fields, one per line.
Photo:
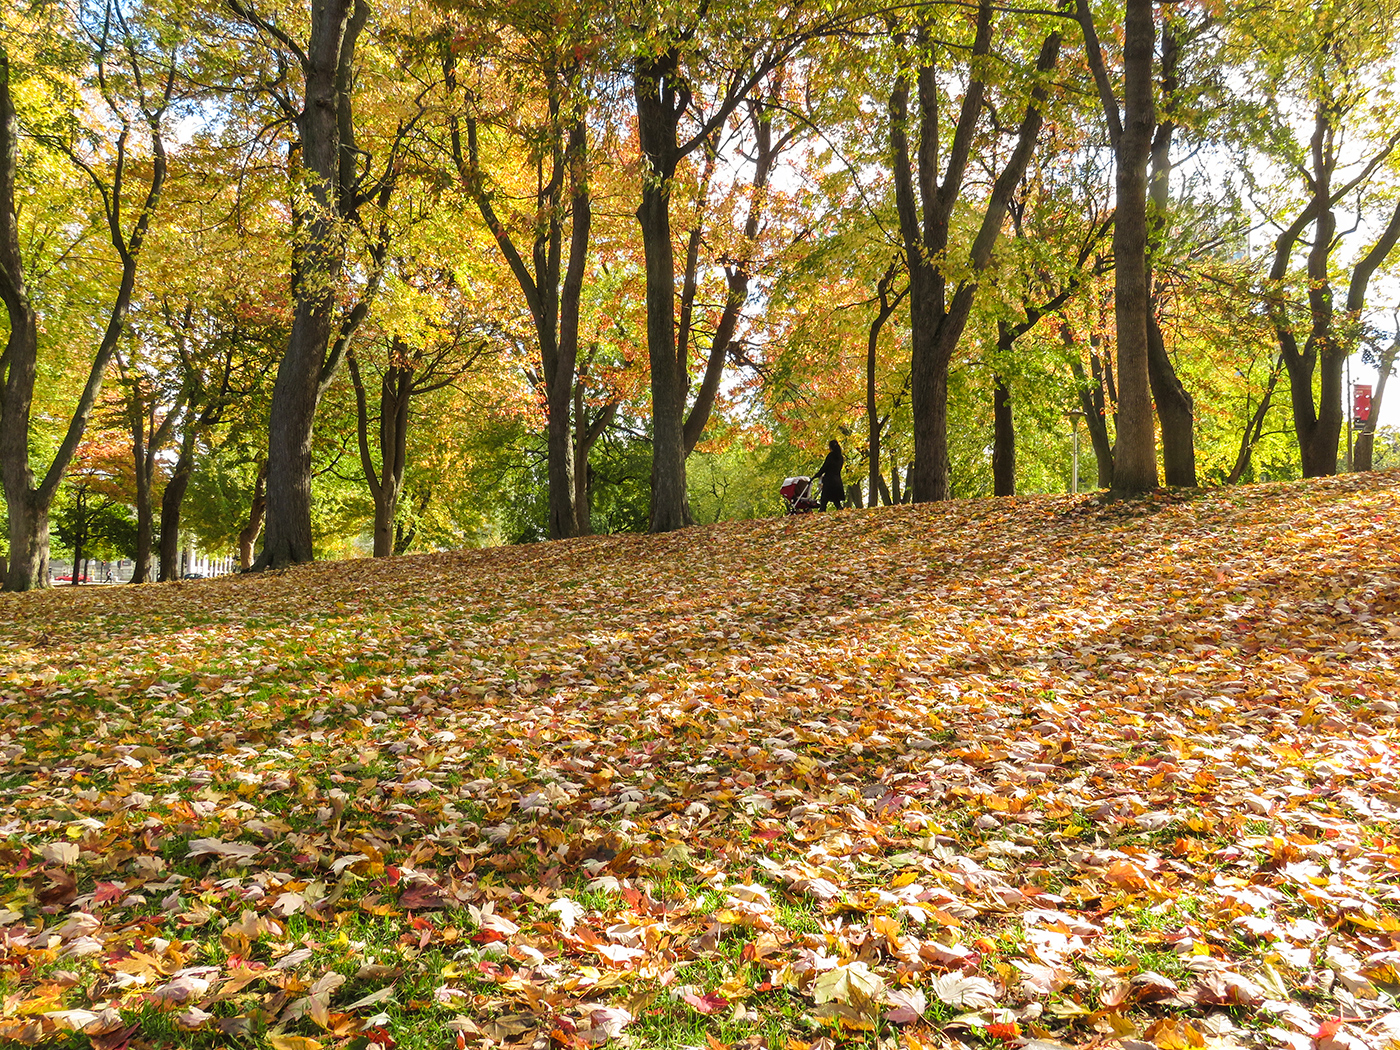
x=1036 y=772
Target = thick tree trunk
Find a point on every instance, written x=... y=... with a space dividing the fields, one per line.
x=1175 y=407
x=1176 y=410
x=28 y=516
x=1003 y=440
x=669 y=506
x=27 y=503
x=319 y=260
x=257 y=510
x=385 y=509
x=171 y=502
x=144 y=530
x=939 y=308
x=661 y=101
x=1135 y=457
x=28 y=567
x=1318 y=426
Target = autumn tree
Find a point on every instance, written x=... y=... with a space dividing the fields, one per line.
x=339 y=192
x=130 y=72
x=549 y=47
x=930 y=184
x=1329 y=180
x=151 y=406
x=690 y=71
x=1130 y=131
x=428 y=357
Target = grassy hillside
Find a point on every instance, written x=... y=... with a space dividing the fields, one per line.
x=1015 y=772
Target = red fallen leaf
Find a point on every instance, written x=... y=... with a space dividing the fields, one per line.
x=487 y=936
x=1005 y=1032
x=1328 y=1028
x=767 y=834
x=707 y=1003
x=106 y=892
x=421 y=895
x=391 y=874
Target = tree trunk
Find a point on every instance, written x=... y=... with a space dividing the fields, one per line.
x=1325 y=349
x=144 y=515
x=28 y=516
x=873 y=423
x=1175 y=407
x=318 y=263
x=661 y=101
x=1094 y=397
x=171 y=502
x=386 y=506
x=1135 y=456
x=586 y=435
x=27 y=504
x=257 y=509
x=1254 y=427
x=939 y=309
x=80 y=534
x=1176 y=410
x=1003 y=440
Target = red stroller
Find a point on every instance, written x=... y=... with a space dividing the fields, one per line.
x=797 y=496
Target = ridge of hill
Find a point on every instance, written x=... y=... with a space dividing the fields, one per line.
x=1039 y=772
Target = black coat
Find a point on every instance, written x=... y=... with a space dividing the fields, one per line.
x=832 y=486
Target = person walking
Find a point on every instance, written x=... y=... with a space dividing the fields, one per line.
x=833 y=490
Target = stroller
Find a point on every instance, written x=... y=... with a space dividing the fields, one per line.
x=797 y=496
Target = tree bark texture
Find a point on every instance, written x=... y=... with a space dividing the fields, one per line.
x=939 y=309
x=257 y=510
x=27 y=563
x=319 y=259
x=551 y=288
x=171 y=502
x=1175 y=406
x=1135 y=456
x=1003 y=440
x=28 y=503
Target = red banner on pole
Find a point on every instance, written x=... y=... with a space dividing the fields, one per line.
x=1361 y=402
